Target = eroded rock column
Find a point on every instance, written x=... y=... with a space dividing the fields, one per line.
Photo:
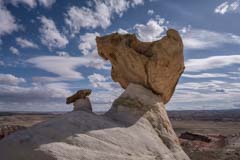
x=80 y=100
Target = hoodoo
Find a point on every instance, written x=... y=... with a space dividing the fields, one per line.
x=137 y=125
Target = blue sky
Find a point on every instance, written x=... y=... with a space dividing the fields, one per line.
x=48 y=50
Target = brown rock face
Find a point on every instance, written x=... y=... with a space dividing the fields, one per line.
x=155 y=65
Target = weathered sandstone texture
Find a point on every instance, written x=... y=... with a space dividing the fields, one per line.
x=136 y=128
x=155 y=65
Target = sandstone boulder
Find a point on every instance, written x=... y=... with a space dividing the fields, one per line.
x=155 y=65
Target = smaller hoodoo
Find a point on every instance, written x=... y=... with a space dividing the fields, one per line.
x=80 y=100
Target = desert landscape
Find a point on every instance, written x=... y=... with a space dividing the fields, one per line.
x=221 y=126
x=119 y=80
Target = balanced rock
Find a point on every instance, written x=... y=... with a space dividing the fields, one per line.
x=156 y=65
x=80 y=100
x=81 y=94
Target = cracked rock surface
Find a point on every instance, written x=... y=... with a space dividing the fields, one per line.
x=156 y=65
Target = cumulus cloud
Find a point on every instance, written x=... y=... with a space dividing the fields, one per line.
x=204 y=39
x=151 y=31
x=150 y=12
x=50 y=35
x=29 y=3
x=88 y=48
x=101 y=82
x=24 y=43
x=136 y=2
x=46 y=3
x=65 y=67
x=88 y=43
x=213 y=62
x=14 y=50
x=33 y=3
x=122 y=31
x=99 y=15
x=8 y=21
x=10 y=79
x=228 y=7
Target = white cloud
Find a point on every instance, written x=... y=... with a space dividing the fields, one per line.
x=8 y=21
x=204 y=39
x=213 y=62
x=152 y=30
x=50 y=36
x=65 y=67
x=30 y=3
x=35 y=97
x=88 y=48
x=33 y=3
x=9 y=79
x=102 y=100
x=205 y=75
x=122 y=31
x=99 y=15
x=14 y=50
x=63 y=54
x=106 y=91
x=227 y=7
x=100 y=82
x=150 y=12
x=88 y=43
x=46 y=3
x=206 y=95
x=24 y=43
x=137 y=2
